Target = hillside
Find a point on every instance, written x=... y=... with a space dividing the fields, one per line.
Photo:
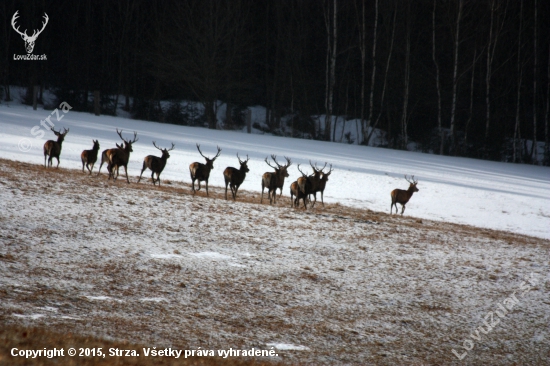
x=151 y=266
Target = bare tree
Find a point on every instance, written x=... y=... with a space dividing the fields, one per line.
x=386 y=72
x=455 y=75
x=331 y=25
x=519 y=82
x=406 y=81
x=495 y=29
x=534 y=146
x=437 y=81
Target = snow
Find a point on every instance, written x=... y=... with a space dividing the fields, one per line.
x=345 y=282
x=481 y=193
x=287 y=347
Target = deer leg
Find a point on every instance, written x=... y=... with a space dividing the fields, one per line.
x=126 y=171
x=158 y=178
x=226 y=184
x=402 y=209
x=206 y=187
x=153 y=178
x=140 y=174
x=262 y=199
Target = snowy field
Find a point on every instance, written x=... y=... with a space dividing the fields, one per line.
x=343 y=284
x=486 y=194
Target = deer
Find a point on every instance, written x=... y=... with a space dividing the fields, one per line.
x=313 y=182
x=155 y=163
x=235 y=177
x=29 y=40
x=121 y=156
x=401 y=196
x=106 y=157
x=201 y=172
x=89 y=157
x=52 y=149
x=323 y=183
x=302 y=189
x=274 y=180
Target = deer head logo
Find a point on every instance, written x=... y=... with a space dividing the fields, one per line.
x=29 y=41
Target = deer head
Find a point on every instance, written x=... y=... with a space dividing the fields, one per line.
x=29 y=40
x=210 y=162
x=244 y=166
x=413 y=183
x=60 y=135
x=165 y=153
x=127 y=143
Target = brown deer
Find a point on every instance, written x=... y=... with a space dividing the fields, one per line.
x=323 y=183
x=89 y=157
x=313 y=182
x=294 y=192
x=401 y=196
x=52 y=149
x=106 y=158
x=155 y=163
x=121 y=156
x=305 y=186
x=201 y=172
x=235 y=177
x=274 y=180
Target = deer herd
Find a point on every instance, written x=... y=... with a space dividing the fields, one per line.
x=301 y=189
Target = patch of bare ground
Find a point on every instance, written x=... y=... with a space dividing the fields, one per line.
x=86 y=262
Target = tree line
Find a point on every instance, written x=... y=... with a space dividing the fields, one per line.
x=458 y=77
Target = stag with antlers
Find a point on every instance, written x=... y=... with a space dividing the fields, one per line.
x=310 y=184
x=274 y=180
x=89 y=157
x=323 y=183
x=52 y=149
x=401 y=196
x=121 y=156
x=155 y=163
x=235 y=177
x=201 y=172
x=303 y=188
x=29 y=40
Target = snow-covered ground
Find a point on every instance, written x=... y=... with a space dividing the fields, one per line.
x=486 y=194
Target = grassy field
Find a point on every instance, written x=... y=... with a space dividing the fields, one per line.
x=87 y=262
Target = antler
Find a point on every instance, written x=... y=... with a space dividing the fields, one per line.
x=267 y=162
x=13 y=19
x=65 y=131
x=329 y=171
x=412 y=178
x=322 y=167
x=122 y=138
x=199 y=148
x=218 y=154
x=274 y=157
x=172 y=148
x=288 y=162
x=240 y=161
x=155 y=145
x=303 y=174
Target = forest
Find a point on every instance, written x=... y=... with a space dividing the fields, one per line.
x=461 y=78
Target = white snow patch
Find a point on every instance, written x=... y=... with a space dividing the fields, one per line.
x=287 y=347
x=211 y=255
x=153 y=299
x=103 y=298
x=166 y=256
x=32 y=316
